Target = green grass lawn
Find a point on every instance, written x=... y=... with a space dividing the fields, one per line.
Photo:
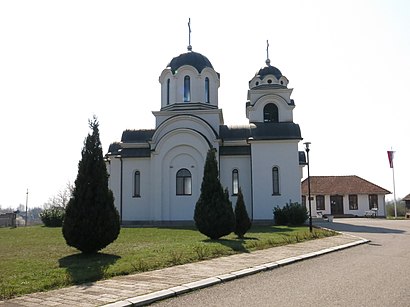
x=37 y=258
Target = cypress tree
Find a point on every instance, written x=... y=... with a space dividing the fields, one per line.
x=243 y=222
x=91 y=220
x=213 y=214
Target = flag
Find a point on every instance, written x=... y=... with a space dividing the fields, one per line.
x=390 y=155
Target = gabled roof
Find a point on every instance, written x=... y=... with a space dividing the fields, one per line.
x=341 y=185
x=407 y=197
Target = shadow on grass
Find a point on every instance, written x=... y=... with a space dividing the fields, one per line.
x=235 y=245
x=271 y=229
x=87 y=267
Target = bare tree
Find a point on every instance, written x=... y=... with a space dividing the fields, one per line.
x=60 y=200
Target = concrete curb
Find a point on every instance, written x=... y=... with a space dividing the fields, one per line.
x=143 y=300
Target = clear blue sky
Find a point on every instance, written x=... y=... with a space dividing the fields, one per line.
x=61 y=62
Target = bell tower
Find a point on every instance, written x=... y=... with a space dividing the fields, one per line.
x=268 y=96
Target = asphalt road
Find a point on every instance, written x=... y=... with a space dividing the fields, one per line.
x=374 y=274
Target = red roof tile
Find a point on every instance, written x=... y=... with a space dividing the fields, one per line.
x=341 y=185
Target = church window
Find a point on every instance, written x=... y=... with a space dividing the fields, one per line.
x=168 y=84
x=187 y=89
x=275 y=180
x=137 y=184
x=269 y=81
x=235 y=182
x=270 y=113
x=207 y=89
x=184 y=182
x=257 y=83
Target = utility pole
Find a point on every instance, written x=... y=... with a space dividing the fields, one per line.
x=307 y=144
x=26 y=207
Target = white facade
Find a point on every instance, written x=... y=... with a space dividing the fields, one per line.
x=156 y=174
x=362 y=208
x=343 y=196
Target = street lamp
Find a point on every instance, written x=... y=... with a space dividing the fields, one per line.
x=310 y=201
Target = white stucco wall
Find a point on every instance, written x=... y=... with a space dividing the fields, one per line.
x=136 y=208
x=266 y=155
x=207 y=126
x=243 y=165
x=180 y=148
x=176 y=90
x=363 y=205
x=255 y=111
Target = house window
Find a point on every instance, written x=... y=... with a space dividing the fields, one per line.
x=207 y=89
x=235 y=182
x=304 y=200
x=137 y=184
x=187 y=89
x=168 y=84
x=353 y=202
x=320 y=202
x=184 y=182
x=270 y=113
x=275 y=180
x=373 y=201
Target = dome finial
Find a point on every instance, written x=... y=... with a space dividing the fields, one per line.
x=267 y=53
x=189 y=40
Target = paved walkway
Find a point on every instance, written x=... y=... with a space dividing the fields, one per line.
x=144 y=288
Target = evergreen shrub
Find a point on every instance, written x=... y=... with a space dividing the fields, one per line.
x=91 y=221
x=213 y=216
x=243 y=222
x=53 y=217
x=291 y=214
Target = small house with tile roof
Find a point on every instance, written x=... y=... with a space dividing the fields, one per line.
x=343 y=196
x=407 y=202
x=156 y=174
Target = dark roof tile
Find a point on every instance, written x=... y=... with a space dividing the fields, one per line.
x=137 y=136
x=194 y=59
x=261 y=131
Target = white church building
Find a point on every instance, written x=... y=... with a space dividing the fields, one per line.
x=156 y=174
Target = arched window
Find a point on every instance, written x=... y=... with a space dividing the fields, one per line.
x=168 y=84
x=235 y=182
x=187 y=89
x=184 y=182
x=275 y=180
x=207 y=89
x=137 y=184
x=270 y=113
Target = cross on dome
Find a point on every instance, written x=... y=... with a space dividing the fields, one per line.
x=189 y=34
x=267 y=53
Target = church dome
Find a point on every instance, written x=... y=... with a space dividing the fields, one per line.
x=269 y=70
x=268 y=76
x=194 y=59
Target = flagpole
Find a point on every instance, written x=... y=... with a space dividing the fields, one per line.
x=394 y=194
x=390 y=154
